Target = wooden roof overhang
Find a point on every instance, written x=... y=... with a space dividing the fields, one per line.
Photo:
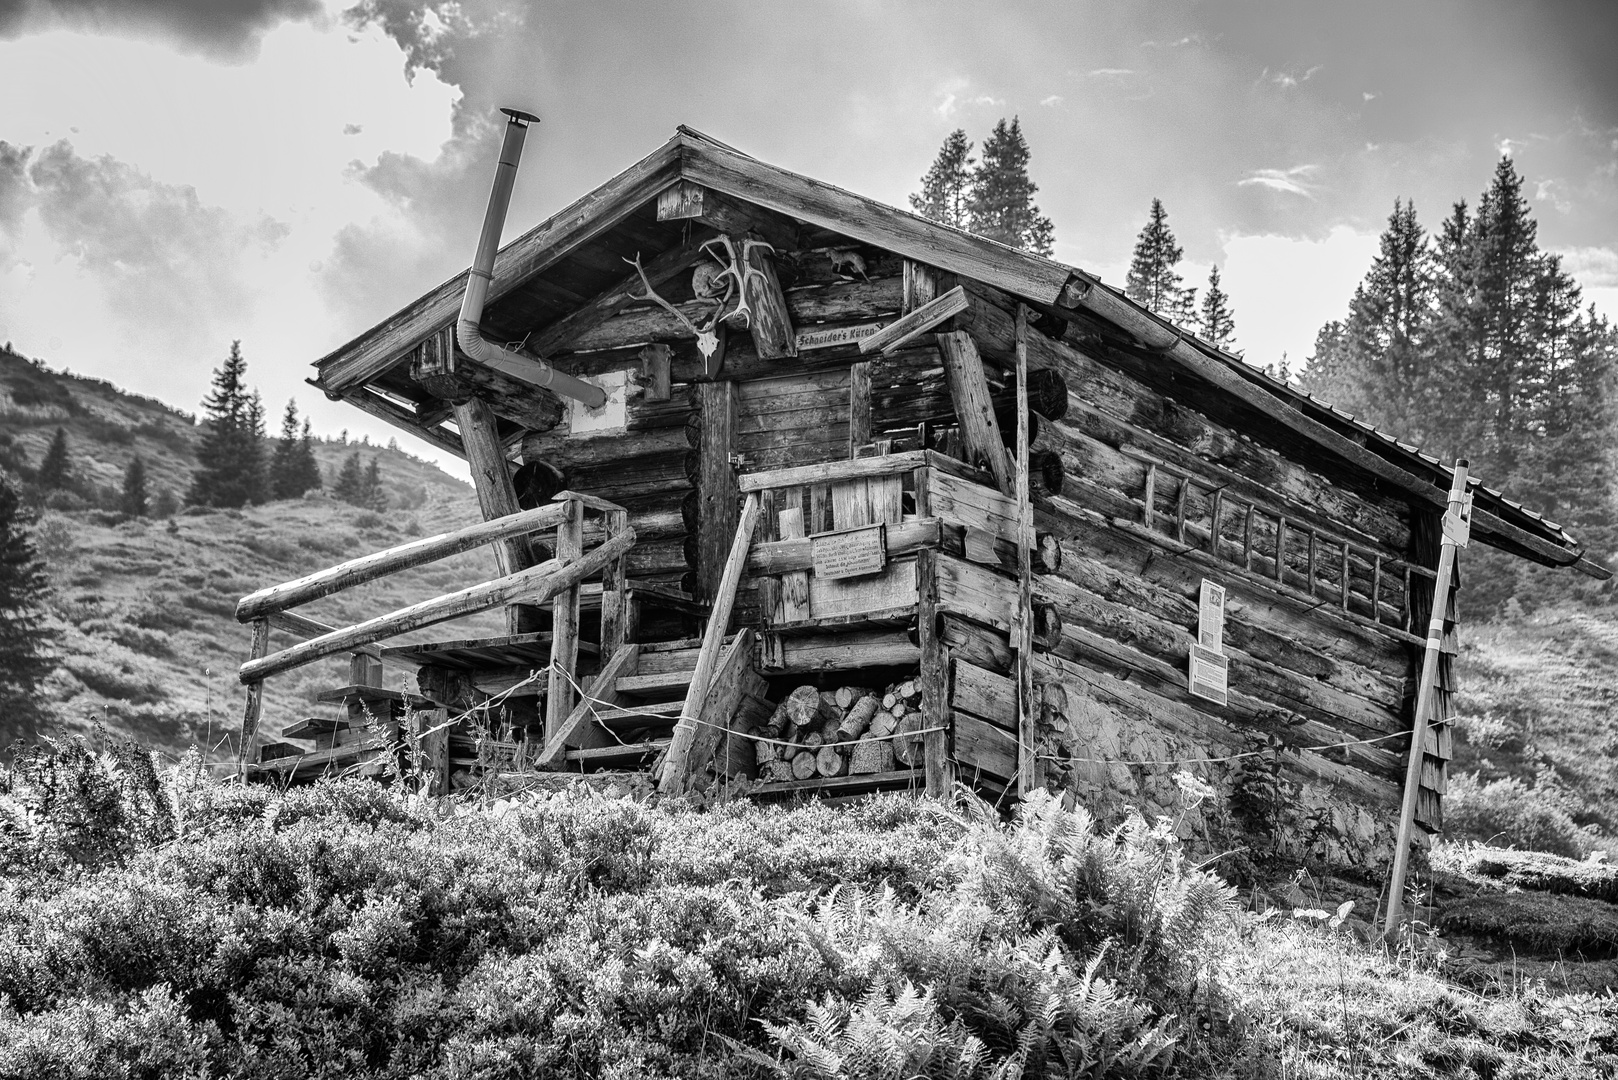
x=569 y=272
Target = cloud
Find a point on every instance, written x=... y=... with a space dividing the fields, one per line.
x=1553 y=191
x=1054 y=99
x=221 y=29
x=1286 y=79
x=1111 y=73
x=1367 y=95
x=1595 y=267
x=1194 y=40
x=1292 y=181
x=158 y=255
x=946 y=108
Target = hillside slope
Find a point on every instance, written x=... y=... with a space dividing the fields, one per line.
x=145 y=607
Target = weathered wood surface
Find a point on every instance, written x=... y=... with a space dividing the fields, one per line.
x=717 y=717
x=934 y=674
x=676 y=766
x=660 y=270
x=716 y=485
x=560 y=693
x=790 y=554
x=975 y=592
x=983 y=693
x=881 y=465
x=769 y=322
x=974 y=406
x=253 y=706
x=916 y=322
x=686 y=201
x=579 y=729
x=859 y=406
x=534 y=585
x=382 y=563
x=389 y=411
x=846 y=651
x=981 y=745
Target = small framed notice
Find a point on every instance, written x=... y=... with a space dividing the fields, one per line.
x=1210 y=675
x=824 y=337
x=848 y=554
x=1211 y=617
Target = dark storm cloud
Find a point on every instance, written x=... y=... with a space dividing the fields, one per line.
x=159 y=255
x=223 y=29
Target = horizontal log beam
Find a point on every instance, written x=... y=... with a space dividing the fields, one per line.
x=918 y=322
x=367 y=400
x=382 y=563
x=532 y=586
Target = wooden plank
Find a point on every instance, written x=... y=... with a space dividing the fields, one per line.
x=615 y=595
x=579 y=729
x=543 y=246
x=1027 y=761
x=859 y=405
x=833 y=471
x=934 y=673
x=983 y=693
x=716 y=484
x=981 y=745
x=718 y=166
x=904 y=330
x=974 y=407
x=921 y=285
x=536 y=584
x=769 y=323
x=382 y=563
x=795 y=583
x=977 y=593
x=253 y=707
x=845 y=651
x=686 y=201
x=891 y=590
x=717 y=717
x=564 y=665
x=676 y=767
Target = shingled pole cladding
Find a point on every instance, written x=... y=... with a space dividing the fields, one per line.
x=1457 y=526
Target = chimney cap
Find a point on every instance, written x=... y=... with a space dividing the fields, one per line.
x=520 y=117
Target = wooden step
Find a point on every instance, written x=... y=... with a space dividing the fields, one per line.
x=373 y=693
x=656 y=713
x=311 y=726
x=470 y=654
x=607 y=757
x=655 y=683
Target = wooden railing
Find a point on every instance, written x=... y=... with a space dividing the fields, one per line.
x=1297 y=557
x=555 y=579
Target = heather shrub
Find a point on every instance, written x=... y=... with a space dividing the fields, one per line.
x=1508 y=812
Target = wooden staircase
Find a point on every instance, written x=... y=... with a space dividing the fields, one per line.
x=627 y=715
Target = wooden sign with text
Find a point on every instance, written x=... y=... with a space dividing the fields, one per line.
x=828 y=336
x=853 y=553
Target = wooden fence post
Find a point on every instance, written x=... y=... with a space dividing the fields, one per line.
x=255 y=697
x=565 y=623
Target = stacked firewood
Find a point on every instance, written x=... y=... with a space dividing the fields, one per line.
x=852 y=730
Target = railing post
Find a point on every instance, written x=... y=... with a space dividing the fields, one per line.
x=255 y=697
x=614 y=593
x=559 y=695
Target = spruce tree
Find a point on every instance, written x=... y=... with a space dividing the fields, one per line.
x=306 y=469
x=1375 y=364
x=947 y=187
x=56 y=471
x=1001 y=206
x=373 y=496
x=1215 y=320
x=284 y=462
x=1152 y=281
x=231 y=455
x=134 y=501
x=25 y=637
x=350 y=483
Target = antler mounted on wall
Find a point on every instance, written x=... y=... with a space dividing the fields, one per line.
x=727 y=276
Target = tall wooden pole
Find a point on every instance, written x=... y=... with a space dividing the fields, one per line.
x=1026 y=759
x=1456 y=527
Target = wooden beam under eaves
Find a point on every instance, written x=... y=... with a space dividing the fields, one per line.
x=385 y=408
x=686 y=201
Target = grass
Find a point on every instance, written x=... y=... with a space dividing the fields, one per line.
x=1531 y=870
x=155 y=923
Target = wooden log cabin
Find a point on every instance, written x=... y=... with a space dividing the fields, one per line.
x=812 y=441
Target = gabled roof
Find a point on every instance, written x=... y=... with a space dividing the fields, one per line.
x=614 y=218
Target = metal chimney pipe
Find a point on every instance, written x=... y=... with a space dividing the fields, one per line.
x=467 y=330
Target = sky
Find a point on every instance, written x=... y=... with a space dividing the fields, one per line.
x=177 y=174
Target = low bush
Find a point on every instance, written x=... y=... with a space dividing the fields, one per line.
x=1508 y=811
x=114 y=678
x=1542 y=872
x=1567 y=925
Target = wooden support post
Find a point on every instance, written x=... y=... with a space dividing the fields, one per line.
x=859 y=405
x=939 y=770
x=1213 y=524
x=974 y=408
x=1281 y=550
x=433 y=724
x=1179 y=509
x=255 y=696
x=716 y=484
x=491 y=477
x=1027 y=758
x=769 y=324
x=921 y=285
x=1150 y=498
x=614 y=590
x=1376 y=587
x=1457 y=522
x=676 y=764
x=559 y=692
